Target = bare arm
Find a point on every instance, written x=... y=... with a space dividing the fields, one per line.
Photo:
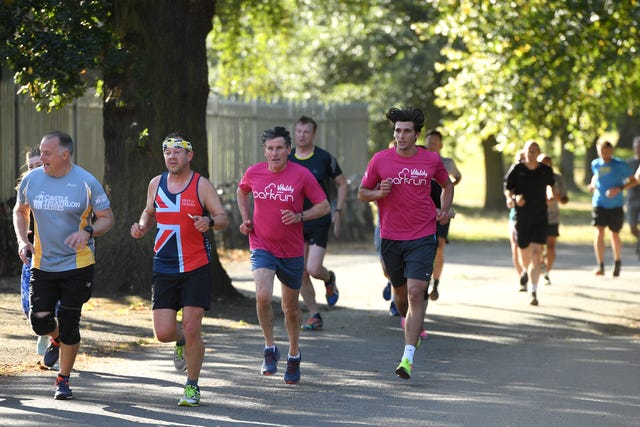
x=211 y=202
x=341 y=183
x=446 y=200
x=147 y=217
x=243 y=206
x=369 y=195
x=21 y=227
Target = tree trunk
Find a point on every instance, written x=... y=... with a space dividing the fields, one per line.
x=160 y=87
x=494 y=176
x=590 y=155
x=567 y=162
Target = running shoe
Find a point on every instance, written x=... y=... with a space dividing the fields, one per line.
x=393 y=310
x=41 y=344
x=63 y=392
x=547 y=281
x=599 y=272
x=616 y=269
x=270 y=362
x=386 y=292
x=292 y=375
x=178 y=358
x=534 y=299
x=331 y=289
x=191 y=396
x=434 y=295
x=404 y=369
x=524 y=279
x=314 y=322
x=51 y=353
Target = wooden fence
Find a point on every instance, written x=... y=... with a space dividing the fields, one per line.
x=233 y=128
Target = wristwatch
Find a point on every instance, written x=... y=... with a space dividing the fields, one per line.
x=89 y=229
x=211 y=222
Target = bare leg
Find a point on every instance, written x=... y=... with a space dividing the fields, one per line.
x=264 y=294
x=291 y=309
x=416 y=311
x=314 y=256
x=194 y=345
x=616 y=246
x=551 y=252
x=598 y=244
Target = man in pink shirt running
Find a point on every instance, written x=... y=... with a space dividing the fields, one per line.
x=278 y=188
x=399 y=180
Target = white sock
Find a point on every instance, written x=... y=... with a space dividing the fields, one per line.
x=534 y=287
x=409 y=350
x=294 y=357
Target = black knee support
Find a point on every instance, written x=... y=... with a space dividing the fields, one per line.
x=69 y=322
x=42 y=325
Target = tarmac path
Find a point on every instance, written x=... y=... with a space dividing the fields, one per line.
x=490 y=359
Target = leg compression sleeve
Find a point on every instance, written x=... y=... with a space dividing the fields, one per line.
x=42 y=325
x=69 y=321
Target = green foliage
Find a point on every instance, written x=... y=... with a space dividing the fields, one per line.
x=380 y=52
x=539 y=68
x=55 y=47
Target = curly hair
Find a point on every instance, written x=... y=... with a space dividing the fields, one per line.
x=276 y=132
x=408 y=114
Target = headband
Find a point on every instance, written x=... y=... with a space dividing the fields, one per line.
x=176 y=143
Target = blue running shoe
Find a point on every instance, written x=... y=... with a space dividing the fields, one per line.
x=292 y=375
x=332 y=290
x=313 y=323
x=386 y=292
x=63 y=392
x=393 y=310
x=51 y=354
x=270 y=362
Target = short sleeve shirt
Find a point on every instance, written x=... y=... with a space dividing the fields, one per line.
x=609 y=175
x=407 y=212
x=532 y=185
x=273 y=192
x=633 y=193
x=324 y=168
x=61 y=206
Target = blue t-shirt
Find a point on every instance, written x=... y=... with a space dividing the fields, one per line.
x=609 y=175
x=61 y=206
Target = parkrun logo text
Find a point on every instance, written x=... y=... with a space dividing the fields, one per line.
x=280 y=192
x=411 y=177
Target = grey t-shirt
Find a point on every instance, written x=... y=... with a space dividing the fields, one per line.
x=60 y=207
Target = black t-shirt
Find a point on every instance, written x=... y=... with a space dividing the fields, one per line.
x=532 y=184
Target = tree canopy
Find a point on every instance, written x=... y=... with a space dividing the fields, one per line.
x=526 y=69
x=55 y=47
x=134 y=52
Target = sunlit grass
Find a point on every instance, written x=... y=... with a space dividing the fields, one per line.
x=472 y=223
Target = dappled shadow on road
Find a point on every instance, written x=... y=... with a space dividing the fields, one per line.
x=484 y=363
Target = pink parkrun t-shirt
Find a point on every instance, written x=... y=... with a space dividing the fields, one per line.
x=407 y=212
x=273 y=192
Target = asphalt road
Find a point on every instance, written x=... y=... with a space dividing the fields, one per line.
x=490 y=359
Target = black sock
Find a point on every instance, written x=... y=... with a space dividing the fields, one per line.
x=602 y=266
x=181 y=342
